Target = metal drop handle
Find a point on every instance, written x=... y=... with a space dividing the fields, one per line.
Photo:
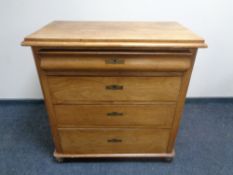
x=114 y=140
x=115 y=114
x=114 y=61
x=114 y=87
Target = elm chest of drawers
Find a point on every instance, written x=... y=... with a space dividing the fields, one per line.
x=114 y=89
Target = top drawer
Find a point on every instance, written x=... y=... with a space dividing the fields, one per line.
x=112 y=61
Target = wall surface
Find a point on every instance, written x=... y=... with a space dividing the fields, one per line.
x=212 y=19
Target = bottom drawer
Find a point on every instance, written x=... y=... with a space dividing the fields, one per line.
x=94 y=141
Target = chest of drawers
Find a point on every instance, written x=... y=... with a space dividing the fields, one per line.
x=114 y=89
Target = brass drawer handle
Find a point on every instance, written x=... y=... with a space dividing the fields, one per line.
x=114 y=61
x=115 y=114
x=114 y=87
x=114 y=140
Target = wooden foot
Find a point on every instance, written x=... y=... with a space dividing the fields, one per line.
x=168 y=159
x=59 y=159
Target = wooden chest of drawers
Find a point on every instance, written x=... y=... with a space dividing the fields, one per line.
x=114 y=89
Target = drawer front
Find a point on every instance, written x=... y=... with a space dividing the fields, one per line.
x=164 y=61
x=68 y=89
x=88 y=141
x=115 y=115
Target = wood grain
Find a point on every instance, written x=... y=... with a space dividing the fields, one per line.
x=114 y=89
x=160 y=115
x=114 y=62
x=65 y=89
x=60 y=155
x=180 y=104
x=114 y=34
x=89 y=141
x=48 y=100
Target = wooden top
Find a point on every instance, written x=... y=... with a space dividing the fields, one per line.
x=114 y=34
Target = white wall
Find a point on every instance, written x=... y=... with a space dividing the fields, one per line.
x=212 y=19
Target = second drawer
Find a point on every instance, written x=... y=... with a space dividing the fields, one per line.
x=72 y=89
x=115 y=115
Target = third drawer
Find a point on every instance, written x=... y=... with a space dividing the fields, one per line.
x=159 y=115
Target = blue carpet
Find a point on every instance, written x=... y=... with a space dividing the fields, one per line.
x=204 y=145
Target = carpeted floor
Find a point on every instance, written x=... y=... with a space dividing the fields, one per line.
x=204 y=145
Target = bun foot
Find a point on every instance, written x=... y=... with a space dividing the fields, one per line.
x=59 y=160
x=168 y=159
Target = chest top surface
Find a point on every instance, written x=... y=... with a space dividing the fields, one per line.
x=74 y=33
